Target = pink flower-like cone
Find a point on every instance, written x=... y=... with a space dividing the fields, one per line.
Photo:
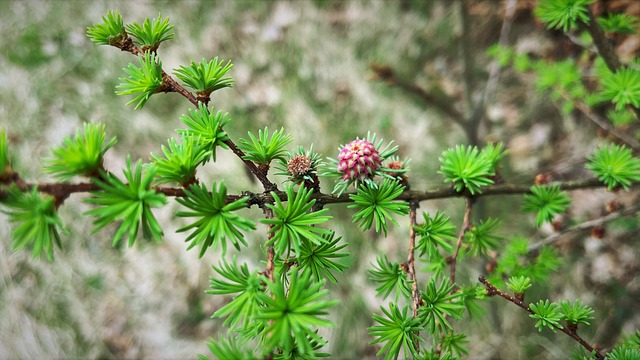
x=358 y=160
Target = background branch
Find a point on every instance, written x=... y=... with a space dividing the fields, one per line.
x=411 y=266
x=605 y=49
x=466 y=225
x=437 y=100
x=632 y=210
x=66 y=189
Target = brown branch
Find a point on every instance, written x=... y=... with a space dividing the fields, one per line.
x=441 y=103
x=605 y=125
x=605 y=49
x=411 y=260
x=494 y=67
x=466 y=225
x=169 y=84
x=584 y=226
x=65 y=189
x=467 y=61
x=261 y=175
x=492 y=291
x=269 y=270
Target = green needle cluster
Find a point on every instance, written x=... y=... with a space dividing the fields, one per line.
x=216 y=222
x=81 y=155
x=127 y=202
x=376 y=204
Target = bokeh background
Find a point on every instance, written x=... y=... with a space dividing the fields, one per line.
x=304 y=66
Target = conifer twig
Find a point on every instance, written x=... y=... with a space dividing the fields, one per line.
x=466 y=225
x=492 y=291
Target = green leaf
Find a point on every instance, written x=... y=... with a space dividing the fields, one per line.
x=615 y=166
x=436 y=264
x=293 y=223
x=110 y=32
x=216 y=223
x=471 y=296
x=292 y=312
x=440 y=303
x=582 y=354
x=143 y=81
x=547 y=262
x=180 y=161
x=377 y=204
x=262 y=149
x=466 y=168
x=482 y=238
x=207 y=127
x=519 y=284
x=389 y=277
x=233 y=280
x=435 y=232
x=619 y=23
x=562 y=14
x=576 y=313
x=36 y=220
x=516 y=261
x=547 y=315
x=228 y=349
x=504 y=55
x=547 y=201
x=319 y=259
x=5 y=161
x=398 y=330
x=621 y=117
x=205 y=77
x=564 y=81
x=632 y=340
x=622 y=88
x=152 y=33
x=493 y=153
x=129 y=203
x=293 y=352
x=623 y=353
x=453 y=342
x=81 y=155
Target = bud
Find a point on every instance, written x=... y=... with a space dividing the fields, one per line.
x=543 y=178
x=299 y=165
x=613 y=206
x=358 y=160
x=598 y=232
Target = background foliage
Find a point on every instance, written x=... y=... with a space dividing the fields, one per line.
x=303 y=66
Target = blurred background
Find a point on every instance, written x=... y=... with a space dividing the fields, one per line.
x=316 y=68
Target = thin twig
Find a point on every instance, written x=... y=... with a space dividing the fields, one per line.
x=492 y=290
x=584 y=226
x=441 y=103
x=269 y=270
x=66 y=189
x=411 y=260
x=607 y=126
x=605 y=48
x=261 y=175
x=466 y=225
x=467 y=58
x=171 y=85
x=494 y=68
